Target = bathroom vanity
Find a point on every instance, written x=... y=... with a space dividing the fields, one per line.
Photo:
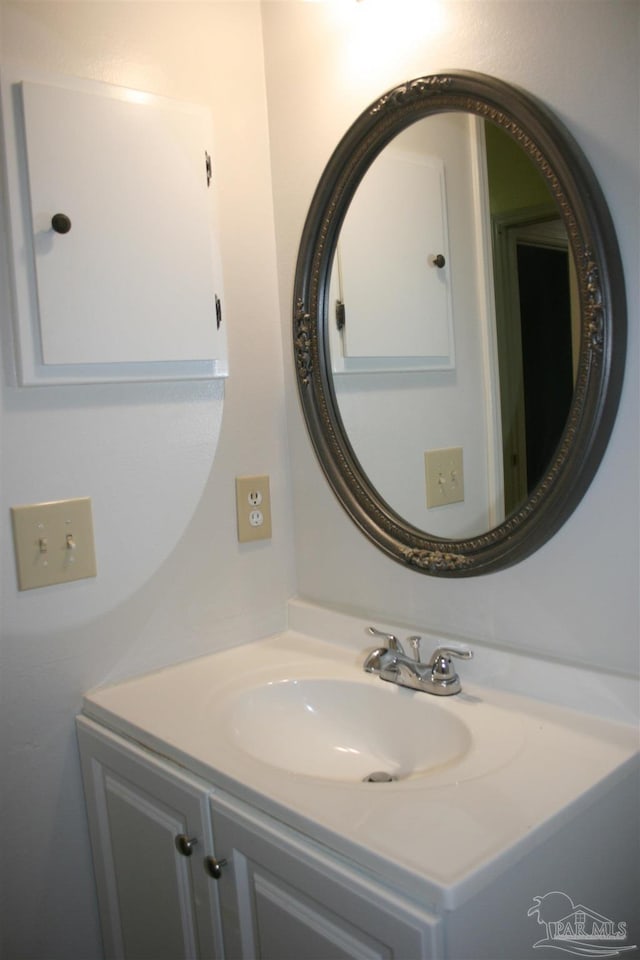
x=231 y=816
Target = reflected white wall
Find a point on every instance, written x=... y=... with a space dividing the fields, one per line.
x=394 y=418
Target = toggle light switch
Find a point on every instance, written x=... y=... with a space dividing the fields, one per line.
x=53 y=542
x=444 y=476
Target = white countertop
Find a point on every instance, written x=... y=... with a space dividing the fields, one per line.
x=438 y=839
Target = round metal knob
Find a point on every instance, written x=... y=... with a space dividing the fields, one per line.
x=185 y=844
x=438 y=261
x=214 y=867
x=61 y=223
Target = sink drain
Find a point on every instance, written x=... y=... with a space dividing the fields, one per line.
x=379 y=776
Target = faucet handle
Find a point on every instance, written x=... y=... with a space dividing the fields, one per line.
x=454 y=652
x=440 y=661
x=392 y=641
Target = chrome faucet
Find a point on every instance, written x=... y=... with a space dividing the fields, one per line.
x=391 y=663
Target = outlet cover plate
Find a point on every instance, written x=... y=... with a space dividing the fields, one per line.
x=253 y=508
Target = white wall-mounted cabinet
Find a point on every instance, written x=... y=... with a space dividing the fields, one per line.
x=117 y=267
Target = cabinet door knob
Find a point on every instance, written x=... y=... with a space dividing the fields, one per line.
x=438 y=261
x=214 y=867
x=61 y=223
x=185 y=844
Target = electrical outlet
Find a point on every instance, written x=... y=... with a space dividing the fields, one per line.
x=53 y=542
x=253 y=508
x=444 y=476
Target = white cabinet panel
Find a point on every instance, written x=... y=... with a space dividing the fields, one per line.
x=283 y=898
x=133 y=289
x=155 y=903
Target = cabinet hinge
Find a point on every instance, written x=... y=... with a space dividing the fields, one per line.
x=218 y=312
x=207 y=165
x=341 y=317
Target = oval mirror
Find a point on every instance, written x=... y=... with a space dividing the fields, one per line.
x=459 y=323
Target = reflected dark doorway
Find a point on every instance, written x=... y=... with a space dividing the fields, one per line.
x=547 y=366
x=537 y=331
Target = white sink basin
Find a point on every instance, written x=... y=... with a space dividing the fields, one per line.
x=343 y=730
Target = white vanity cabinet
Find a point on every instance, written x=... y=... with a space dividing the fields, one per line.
x=279 y=896
x=449 y=865
x=155 y=902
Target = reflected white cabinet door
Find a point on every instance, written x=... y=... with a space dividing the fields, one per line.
x=132 y=278
x=397 y=300
x=283 y=898
x=155 y=902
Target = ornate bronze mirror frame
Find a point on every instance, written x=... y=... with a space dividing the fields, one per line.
x=593 y=245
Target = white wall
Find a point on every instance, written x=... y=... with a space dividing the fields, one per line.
x=392 y=419
x=577 y=597
x=158 y=461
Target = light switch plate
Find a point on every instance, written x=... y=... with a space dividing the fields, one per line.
x=53 y=542
x=444 y=476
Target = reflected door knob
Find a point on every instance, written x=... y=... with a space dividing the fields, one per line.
x=61 y=223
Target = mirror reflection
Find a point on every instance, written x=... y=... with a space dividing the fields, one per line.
x=454 y=325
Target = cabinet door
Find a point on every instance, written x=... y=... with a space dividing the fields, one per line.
x=407 y=311
x=112 y=200
x=155 y=902
x=284 y=898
